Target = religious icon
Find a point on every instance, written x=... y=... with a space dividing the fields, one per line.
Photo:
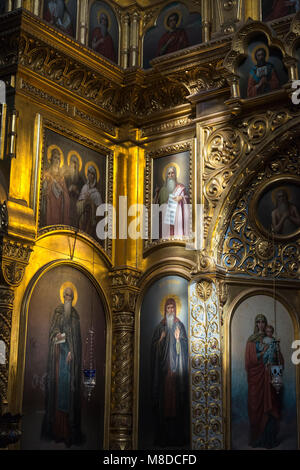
x=71 y=189
x=279 y=9
x=175 y=29
x=169 y=374
x=104 y=31
x=262 y=416
x=171 y=194
x=55 y=200
x=62 y=421
x=164 y=365
x=175 y=38
x=60 y=13
x=262 y=351
x=276 y=208
x=263 y=77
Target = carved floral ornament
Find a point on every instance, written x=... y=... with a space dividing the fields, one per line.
x=249 y=246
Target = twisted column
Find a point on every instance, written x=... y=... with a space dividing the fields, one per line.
x=124 y=294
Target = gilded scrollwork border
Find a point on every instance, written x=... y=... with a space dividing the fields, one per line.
x=277 y=180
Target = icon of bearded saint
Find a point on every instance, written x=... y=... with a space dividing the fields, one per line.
x=174 y=222
x=169 y=379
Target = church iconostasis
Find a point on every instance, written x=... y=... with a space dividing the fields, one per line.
x=104 y=31
x=62 y=14
x=74 y=183
x=176 y=28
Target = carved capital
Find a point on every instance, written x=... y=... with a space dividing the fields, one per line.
x=14 y=259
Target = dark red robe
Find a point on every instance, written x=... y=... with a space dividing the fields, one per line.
x=178 y=40
x=263 y=401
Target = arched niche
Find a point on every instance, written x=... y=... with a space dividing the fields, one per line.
x=41 y=392
x=155 y=431
x=275 y=414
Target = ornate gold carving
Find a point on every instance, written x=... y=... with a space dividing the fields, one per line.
x=166 y=126
x=6 y=308
x=204 y=290
x=42 y=95
x=124 y=292
x=246 y=249
x=15 y=258
x=205 y=352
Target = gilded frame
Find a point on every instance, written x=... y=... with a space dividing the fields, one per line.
x=89 y=144
x=261 y=190
x=151 y=156
x=22 y=335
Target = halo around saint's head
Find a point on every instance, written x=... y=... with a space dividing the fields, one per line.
x=256 y=48
x=99 y=13
x=49 y=152
x=62 y=289
x=70 y=154
x=93 y=164
x=170 y=13
x=165 y=170
x=277 y=190
x=177 y=301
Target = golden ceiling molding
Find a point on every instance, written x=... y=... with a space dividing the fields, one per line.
x=47 y=57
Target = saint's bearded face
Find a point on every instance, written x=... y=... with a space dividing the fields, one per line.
x=68 y=299
x=171 y=180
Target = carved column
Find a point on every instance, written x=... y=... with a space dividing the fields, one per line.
x=124 y=294
x=125 y=41
x=83 y=22
x=134 y=39
x=207 y=295
x=14 y=257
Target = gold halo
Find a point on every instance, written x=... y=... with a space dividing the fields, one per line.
x=171 y=12
x=260 y=46
x=96 y=168
x=276 y=190
x=73 y=152
x=102 y=10
x=177 y=301
x=49 y=151
x=165 y=170
x=62 y=289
